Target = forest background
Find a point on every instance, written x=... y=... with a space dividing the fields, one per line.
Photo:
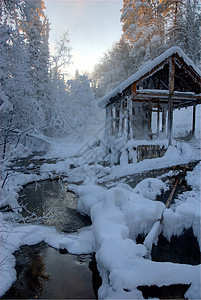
x=36 y=96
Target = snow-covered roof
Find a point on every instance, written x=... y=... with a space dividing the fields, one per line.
x=147 y=68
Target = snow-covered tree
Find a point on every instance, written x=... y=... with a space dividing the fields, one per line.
x=58 y=123
x=152 y=26
x=81 y=105
x=115 y=66
x=58 y=105
x=15 y=81
x=24 y=66
x=143 y=28
x=36 y=29
x=62 y=56
x=192 y=34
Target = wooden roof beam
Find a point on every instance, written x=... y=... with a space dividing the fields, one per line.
x=155 y=69
x=189 y=70
x=183 y=81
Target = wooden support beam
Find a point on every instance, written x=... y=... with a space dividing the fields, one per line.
x=159 y=80
x=158 y=118
x=121 y=119
x=129 y=118
x=134 y=88
x=107 y=128
x=149 y=120
x=109 y=122
x=112 y=121
x=193 y=128
x=149 y=73
x=163 y=120
x=147 y=83
x=187 y=86
x=116 y=120
x=164 y=84
x=170 y=100
x=190 y=71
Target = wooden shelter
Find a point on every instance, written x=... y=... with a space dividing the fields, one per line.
x=169 y=82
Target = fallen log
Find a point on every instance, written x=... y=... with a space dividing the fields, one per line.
x=152 y=237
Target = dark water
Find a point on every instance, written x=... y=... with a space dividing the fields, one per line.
x=49 y=199
x=174 y=291
x=183 y=249
x=44 y=273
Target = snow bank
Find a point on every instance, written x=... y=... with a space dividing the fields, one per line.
x=13 y=185
x=89 y=195
x=186 y=212
x=74 y=170
x=118 y=216
x=179 y=153
x=150 y=188
x=193 y=178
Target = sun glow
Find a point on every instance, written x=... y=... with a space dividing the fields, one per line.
x=92 y=31
x=82 y=63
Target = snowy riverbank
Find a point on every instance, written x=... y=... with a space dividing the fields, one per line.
x=118 y=215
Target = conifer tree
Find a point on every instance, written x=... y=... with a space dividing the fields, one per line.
x=80 y=105
x=152 y=26
x=115 y=66
x=15 y=81
x=192 y=34
x=143 y=28
x=36 y=29
x=24 y=61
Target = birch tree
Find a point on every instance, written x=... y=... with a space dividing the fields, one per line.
x=62 y=56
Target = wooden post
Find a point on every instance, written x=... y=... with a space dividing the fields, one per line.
x=116 y=120
x=193 y=128
x=129 y=118
x=158 y=118
x=149 y=120
x=134 y=88
x=159 y=80
x=107 y=128
x=170 y=101
x=121 y=119
x=109 y=121
x=112 y=121
x=163 y=119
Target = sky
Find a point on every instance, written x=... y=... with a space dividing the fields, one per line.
x=93 y=25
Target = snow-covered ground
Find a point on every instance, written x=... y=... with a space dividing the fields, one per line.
x=118 y=215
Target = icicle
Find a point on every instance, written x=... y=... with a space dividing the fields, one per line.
x=129 y=116
x=120 y=119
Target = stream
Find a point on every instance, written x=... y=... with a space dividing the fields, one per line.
x=42 y=271
x=49 y=199
x=47 y=273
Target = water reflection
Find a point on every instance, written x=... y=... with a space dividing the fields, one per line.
x=47 y=273
x=68 y=276
x=44 y=273
x=49 y=198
